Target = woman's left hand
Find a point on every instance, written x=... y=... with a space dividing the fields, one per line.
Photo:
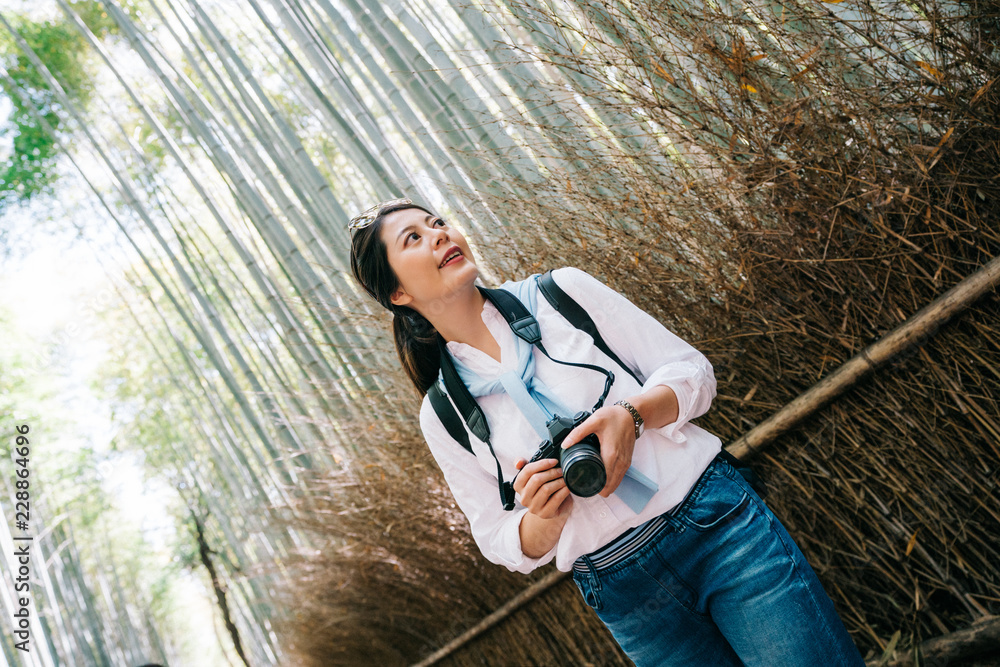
x=615 y=429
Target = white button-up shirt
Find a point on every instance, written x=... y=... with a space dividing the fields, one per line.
x=674 y=456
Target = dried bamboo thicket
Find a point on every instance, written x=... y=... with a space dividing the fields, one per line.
x=782 y=185
x=399 y=570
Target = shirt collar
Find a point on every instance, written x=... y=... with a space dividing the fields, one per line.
x=475 y=358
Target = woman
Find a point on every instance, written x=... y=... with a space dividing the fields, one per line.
x=695 y=571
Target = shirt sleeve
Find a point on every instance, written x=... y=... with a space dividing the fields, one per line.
x=646 y=346
x=495 y=530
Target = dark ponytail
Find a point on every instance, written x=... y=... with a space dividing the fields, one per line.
x=417 y=341
x=417 y=346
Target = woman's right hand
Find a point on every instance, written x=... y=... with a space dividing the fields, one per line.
x=542 y=488
x=545 y=494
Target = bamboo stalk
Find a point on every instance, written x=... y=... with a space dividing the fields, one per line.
x=515 y=603
x=981 y=637
x=916 y=330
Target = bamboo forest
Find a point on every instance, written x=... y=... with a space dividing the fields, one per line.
x=211 y=451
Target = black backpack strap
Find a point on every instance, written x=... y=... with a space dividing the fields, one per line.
x=446 y=413
x=464 y=402
x=521 y=322
x=577 y=316
x=471 y=413
x=526 y=327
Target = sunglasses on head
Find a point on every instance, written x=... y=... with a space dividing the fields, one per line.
x=369 y=216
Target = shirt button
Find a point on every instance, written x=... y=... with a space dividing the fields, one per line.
x=604 y=515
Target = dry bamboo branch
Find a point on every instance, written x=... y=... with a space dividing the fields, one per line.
x=914 y=331
x=981 y=637
x=518 y=601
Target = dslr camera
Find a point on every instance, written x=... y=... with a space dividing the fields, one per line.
x=582 y=466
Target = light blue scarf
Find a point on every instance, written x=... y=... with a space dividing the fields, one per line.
x=537 y=402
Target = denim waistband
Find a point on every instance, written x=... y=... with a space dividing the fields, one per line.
x=632 y=539
x=622 y=546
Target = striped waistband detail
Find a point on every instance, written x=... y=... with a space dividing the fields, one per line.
x=635 y=538
x=624 y=545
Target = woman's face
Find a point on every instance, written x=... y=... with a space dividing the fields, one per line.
x=417 y=245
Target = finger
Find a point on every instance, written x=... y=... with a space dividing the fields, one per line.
x=566 y=505
x=617 y=469
x=609 y=455
x=615 y=478
x=539 y=465
x=520 y=463
x=538 y=480
x=544 y=506
x=530 y=470
x=552 y=506
x=528 y=473
x=537 y=501
x=527 y=470
x=589 y=425
x=621 y=467
x=572 y=438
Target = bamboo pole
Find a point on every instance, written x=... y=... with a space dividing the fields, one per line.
x=981 y=637
x=515 y=603
x=915 y=331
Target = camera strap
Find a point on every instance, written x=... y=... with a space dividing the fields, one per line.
x=524 y=325
x=473 y=416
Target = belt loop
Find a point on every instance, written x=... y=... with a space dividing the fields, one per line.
x=596 y=581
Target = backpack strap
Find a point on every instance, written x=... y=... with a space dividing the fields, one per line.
x=446 y=413
x=467 y=406
x=577 y=316
x=470 y=412
x=522 y=323
x=525 y=326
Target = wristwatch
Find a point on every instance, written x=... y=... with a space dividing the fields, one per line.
x=635 y=417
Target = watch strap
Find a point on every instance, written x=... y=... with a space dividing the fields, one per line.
x=635 y=417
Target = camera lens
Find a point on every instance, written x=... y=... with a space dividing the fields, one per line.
x=583 y=468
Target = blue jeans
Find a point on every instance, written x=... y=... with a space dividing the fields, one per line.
x=723 y=584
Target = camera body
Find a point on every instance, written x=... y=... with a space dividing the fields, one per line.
x=582 y=465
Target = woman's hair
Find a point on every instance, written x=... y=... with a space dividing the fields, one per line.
x=416 y=339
